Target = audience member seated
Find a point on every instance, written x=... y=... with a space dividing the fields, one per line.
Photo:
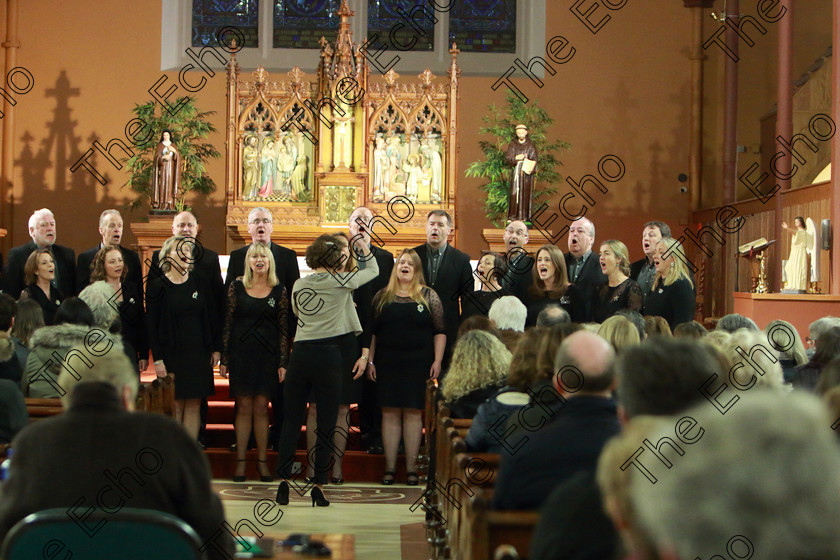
x=691 y=330
x=509 y=314
x=11 y=367
x=827 y=348
x=552 y=315
x=761 y=482
x=28 y=319
x=488 y=432
x=815 y=329
x=572 y=437
x=547 y=347
x=829 y=378
x=476 y=323
x=619 y=332
x=154 y=464
x=479 y=368
x=101 y=298
x=657 y=326
x=791 y=352
x=13 y=415
x=732 y=322
x=637 y=319
x=753 y=361
x=50 y=345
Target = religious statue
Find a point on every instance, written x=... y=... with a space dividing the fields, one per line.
x=436 y=164
x=251 y=168
x=414 y=174
x=166 y=173
x=268 y=169
x=522 y=154
x=796 y=267
x=300 y=190
x=394 y=151
x=380 y=169
x=283 y=173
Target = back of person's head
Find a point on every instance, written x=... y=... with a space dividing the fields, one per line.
x=785 y=339
x=831 y=398
x=479 y=360
x=111 y=366
x=732 y=322
x=100 y=298
x=762 y=477
x=657 y=326
x=508 y=312
x=613 y=479
x=821 y=325
x=324 y=252
x=753 y=361
x=553 y=314
x=476 y=323
x=692 y=330
x=637 y=319
x=827 y=346
x=28 y=319
x=718 y=339
x=619 y=332
x=74 y=311
x=548 y=345
x=584 y=362
x=523 y=363
x=8 y=308
x=829 y=377
x=663 y=376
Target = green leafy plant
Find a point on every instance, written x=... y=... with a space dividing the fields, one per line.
x=189 y=128
x=495 y=168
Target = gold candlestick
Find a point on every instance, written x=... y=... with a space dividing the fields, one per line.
x=762 y=276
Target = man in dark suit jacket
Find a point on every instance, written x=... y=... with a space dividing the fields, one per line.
x=519 y=263
x=570 y=439
x=582 y=264
x=446 y=270
x=125 y=459
x=42 y=231
x=111 y=229
x=643 y=271
x=362 y=223
x=260 y=226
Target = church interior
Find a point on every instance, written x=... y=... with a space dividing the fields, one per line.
x=715 y=117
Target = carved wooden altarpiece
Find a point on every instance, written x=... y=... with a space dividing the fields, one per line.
x=313 y=148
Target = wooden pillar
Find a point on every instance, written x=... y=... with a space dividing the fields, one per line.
x=11 y=44
x=730 y=111
x=784 y=129
x=835 y=154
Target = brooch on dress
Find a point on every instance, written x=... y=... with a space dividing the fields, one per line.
x=660 y=290
x=271 y=302
x=565 y=300
x=57 y=302
x=195 y=294
x=420 y=307
x=131 y=301
x=615 y=298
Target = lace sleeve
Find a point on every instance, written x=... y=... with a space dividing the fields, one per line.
x=283 y=316
x=436 y=309
x=374 y=307
x=230 y=308
x=635 y=298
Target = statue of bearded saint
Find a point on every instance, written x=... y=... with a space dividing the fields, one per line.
x=522 y=154
x=166 y=173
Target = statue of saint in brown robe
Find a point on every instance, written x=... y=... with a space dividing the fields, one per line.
x=519 y=153
x=166 y=173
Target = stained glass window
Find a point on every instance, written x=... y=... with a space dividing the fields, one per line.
x=211 y=15
x=300 y=24
x=417 y=32
x=483 y=25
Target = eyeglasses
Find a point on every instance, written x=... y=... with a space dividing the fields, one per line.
x=258 y=221
x=809 y=341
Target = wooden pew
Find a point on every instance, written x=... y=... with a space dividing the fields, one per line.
x=495 y=534
x=43 y=408
x=141 y=403
x=168 y=383
x=429 y=425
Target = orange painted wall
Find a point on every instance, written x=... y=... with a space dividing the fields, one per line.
x=625 y=92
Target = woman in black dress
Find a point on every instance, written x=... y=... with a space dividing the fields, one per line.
x=408 y=341
x=672 y=294
x=492 y=268
x=39 y=276
x=255 y=351
x=108 y=266
x=619 y=292
x=551 y=285
x=184 y=329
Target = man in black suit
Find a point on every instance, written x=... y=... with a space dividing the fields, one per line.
x=519 y=262
x=43 y=233
x=370 y=413
x=136 y=459
x=583 y=266
x=110 y=229
x=566 y=432
x=260 y=226
x=643 y=271
x=446 y=270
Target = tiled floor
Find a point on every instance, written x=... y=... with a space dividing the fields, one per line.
x=379 y=516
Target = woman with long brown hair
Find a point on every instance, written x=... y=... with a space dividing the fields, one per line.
x=408 y=341
x=39 y=277
x=551 y=285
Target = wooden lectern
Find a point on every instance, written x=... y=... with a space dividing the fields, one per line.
x=755 y=252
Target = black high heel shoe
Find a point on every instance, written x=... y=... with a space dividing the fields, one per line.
x=388 y=479
x=282 y=497
x=318 y=498
x=267 y=477
x=239 y=477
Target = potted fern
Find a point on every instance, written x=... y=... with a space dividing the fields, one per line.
x=501 y=125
